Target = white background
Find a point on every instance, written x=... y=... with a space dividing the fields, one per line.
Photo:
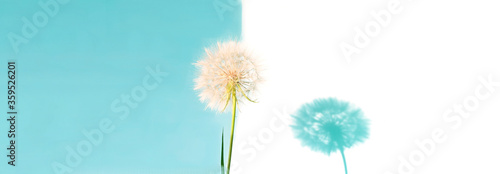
x=428 y=59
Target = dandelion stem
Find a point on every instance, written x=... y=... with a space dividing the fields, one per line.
x=343 y=157
x=232 y=131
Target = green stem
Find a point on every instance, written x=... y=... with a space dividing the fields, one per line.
x=222 y=154
x=232 y=132
x=343 y=157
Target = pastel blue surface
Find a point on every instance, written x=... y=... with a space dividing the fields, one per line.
x=74 y=71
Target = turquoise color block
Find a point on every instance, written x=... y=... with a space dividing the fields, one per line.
x=112 y=81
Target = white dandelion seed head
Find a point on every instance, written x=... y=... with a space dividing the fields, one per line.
x=225 y=67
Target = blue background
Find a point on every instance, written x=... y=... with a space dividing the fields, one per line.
x=92 y=52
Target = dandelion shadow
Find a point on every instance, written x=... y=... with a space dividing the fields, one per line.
x=330 y=125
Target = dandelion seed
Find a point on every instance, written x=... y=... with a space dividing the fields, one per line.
x=226 y=69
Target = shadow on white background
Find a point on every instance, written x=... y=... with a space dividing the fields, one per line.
x=428 y=58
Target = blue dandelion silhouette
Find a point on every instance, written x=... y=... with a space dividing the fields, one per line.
x=330 y=125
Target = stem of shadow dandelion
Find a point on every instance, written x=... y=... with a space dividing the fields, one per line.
x=343 y=158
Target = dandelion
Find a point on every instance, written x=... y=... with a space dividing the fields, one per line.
x=330 y=125
x=228 y=73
